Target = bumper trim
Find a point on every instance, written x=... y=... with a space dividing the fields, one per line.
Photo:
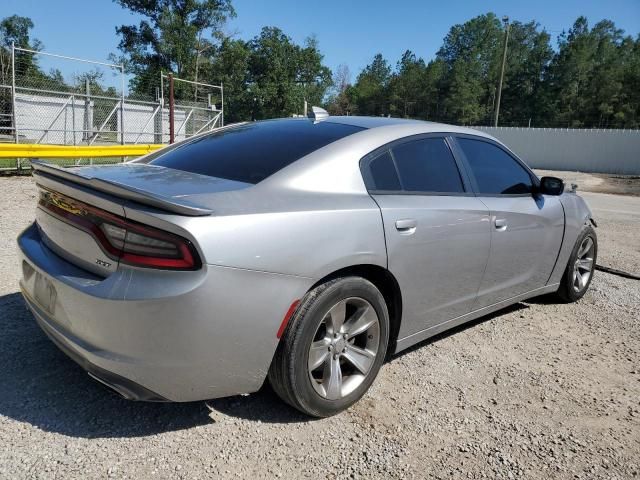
x=124 y=387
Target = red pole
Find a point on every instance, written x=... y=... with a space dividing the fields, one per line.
x=172 y=136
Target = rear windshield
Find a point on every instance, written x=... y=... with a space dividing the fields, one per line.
x=252 y=152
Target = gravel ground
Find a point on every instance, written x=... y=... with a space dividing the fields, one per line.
x=535 y=391
x=598 y=182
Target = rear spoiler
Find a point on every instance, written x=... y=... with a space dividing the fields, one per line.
x=181 y=207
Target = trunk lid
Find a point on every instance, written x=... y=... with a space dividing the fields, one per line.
x=73 y=192
x=154 y=185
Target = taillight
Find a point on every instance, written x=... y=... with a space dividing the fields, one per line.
x=129 y=242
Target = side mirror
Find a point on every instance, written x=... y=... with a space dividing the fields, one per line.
x=551 y=186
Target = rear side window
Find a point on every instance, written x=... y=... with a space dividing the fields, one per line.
x=427 y=165
x=252 y=152
x=383 y=173
x=495 y=171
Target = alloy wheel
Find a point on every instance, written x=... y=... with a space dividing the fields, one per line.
x=344 y=348
x=583 y=266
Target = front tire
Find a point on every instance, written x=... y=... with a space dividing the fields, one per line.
x=582 y=263
x=333 y=347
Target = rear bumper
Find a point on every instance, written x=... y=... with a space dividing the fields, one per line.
x=159 y=335
x=123 y=386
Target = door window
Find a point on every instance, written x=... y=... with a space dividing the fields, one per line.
x=427 y=165
x=495 y=171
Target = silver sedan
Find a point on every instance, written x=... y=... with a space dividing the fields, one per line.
x=302 y=251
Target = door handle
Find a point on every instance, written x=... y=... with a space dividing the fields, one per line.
x=406 y=226
x=501 y=224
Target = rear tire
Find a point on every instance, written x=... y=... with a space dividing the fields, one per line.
x=333 y=347
x=580 y=268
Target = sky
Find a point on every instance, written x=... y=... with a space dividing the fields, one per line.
x=349 y=32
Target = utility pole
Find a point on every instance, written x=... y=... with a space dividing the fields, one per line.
x=505 y=19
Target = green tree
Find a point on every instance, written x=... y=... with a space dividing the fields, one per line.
x=568 y=75
x=17 y=30
x=471 y=54
x=523 y=96
x=282 y=74
x=171 y=38
x=371 y=90
x=591 y=79
x=407 y=87
x=230 y=66
x=628 y=114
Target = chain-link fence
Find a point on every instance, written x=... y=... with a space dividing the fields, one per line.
x=78 y=107
x=197 y=106
x=87 y=104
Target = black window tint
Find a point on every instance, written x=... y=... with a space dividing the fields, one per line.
x=496 y=172
x=427 y=165
x=383 y=173
x=252 y=152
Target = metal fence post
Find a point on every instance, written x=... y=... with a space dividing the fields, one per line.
x=157 y=120
x=13 y=99
x=87 y=124
x=73 y=118
x=171 y=111
x=122 y=106
x=221 y=106
x=13 y=91
x=162 y=107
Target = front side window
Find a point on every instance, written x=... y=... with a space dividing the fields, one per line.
x=252 y=152
x=495 y=171
x=427 y=165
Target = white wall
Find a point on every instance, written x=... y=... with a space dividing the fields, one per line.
x=136 y=117
x=597 y=151
x=36 y=113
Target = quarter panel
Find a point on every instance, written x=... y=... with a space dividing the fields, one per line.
x=293 y=234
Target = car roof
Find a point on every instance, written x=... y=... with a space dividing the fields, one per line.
x=370 y=123
x=336 y=166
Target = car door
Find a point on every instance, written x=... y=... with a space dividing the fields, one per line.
x=526 y=227
x=437 y=232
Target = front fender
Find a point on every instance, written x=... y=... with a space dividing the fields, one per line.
x=578 y=216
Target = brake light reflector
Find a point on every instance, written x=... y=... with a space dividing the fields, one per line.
x=127 y=241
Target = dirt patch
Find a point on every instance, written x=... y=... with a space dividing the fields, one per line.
x=598 y=182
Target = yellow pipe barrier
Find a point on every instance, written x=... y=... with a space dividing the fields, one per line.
x=33 y=150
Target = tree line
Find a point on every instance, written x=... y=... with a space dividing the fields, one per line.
x=590 y=80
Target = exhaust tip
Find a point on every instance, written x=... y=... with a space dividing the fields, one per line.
x=126 y=388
